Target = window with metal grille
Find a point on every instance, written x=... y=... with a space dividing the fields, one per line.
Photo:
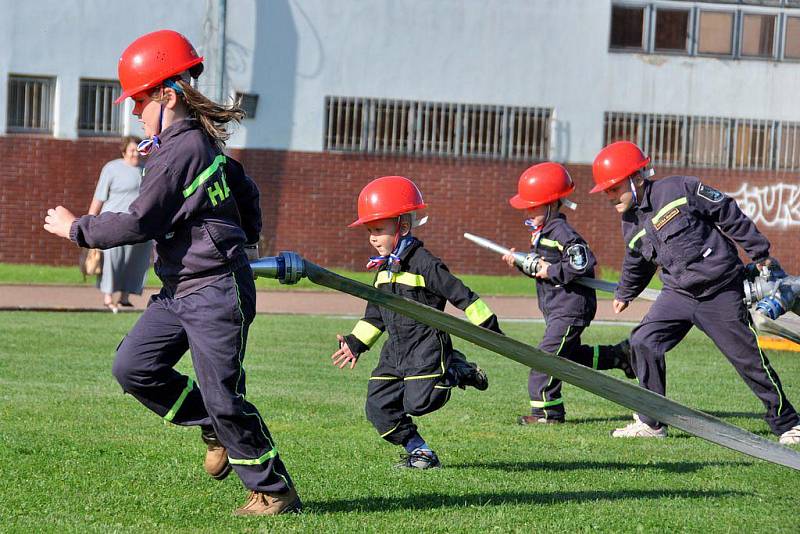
x=97 y=114
x=372 y=125
x=677 y=140
x=30 y=104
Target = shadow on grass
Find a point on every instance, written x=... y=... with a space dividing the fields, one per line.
x=669 y=467
x=429 y=501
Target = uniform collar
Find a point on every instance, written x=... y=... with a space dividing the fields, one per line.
x=548 y=226
x=644 y=202
x=177 y=128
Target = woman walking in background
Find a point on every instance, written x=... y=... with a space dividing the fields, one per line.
x=124 y=267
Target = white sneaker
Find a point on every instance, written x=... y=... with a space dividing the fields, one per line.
x=791 y=436
x=638 y=429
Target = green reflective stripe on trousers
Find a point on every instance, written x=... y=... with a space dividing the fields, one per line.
x=672 y=205
x=551 y=243
x=203 y=176
x=595 y=356
x=392 y=430
x=546 y=404
x=563 y=340
x=407 y=279
x=177 y=406
x=478 y=312
x=272 y=453
x=636 y=238
x=766 y=370
x=366 y=333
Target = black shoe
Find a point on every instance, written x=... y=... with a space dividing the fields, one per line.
x=419 y=459
x=623 y=358
x=467 y=373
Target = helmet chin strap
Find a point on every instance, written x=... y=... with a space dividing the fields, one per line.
x=148 y=145
x=633 y=191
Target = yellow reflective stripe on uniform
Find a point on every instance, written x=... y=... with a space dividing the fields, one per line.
x=392 y=430
x=478 y=312
x=421 y=377
x=272 y=453
x=636 y=238
x=203 y=176
x=384 y=378
x=767 y=369
x=407 y=279
x=672 y=205
x=177 y=406
x=366 y=333
x=551 y=243
x=546 y=404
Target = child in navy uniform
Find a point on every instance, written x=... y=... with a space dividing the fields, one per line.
x=203 y=212
x=568 y=307
x=418 y=366
x=690 y=230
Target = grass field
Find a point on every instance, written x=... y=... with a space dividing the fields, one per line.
x=77 y=455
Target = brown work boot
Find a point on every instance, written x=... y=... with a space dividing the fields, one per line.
x=259 y=503
x=536 y=420
x=216 y=463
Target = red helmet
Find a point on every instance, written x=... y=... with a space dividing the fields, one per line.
x=542 y=184
x=387 y=197
x=615 y=163
x=153 y=58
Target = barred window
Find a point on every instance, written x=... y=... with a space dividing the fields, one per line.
x=355 y=124
x=697 y=141
x=30 y=104
x=97 y=114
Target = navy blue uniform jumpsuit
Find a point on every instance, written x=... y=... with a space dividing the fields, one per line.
x=690 y=230
x=201 y=209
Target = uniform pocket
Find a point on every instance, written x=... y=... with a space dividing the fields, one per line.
x=682 y=243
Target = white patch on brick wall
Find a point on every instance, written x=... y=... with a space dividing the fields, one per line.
x=774 y=205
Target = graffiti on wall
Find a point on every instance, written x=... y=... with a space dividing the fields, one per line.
x=773 y=205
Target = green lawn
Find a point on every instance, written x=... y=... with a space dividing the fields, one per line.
x=512 y=285
x=77 y=455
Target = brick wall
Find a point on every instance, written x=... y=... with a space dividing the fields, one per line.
x=309 y=198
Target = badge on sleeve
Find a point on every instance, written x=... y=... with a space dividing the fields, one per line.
x=709 y=193
x=578 y=257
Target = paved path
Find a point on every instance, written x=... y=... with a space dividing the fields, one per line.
x=83 y=298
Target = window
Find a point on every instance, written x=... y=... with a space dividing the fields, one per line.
x=672 y=30
x=30 y=104
x=792 y=49
x=97 y=114
x=752 y=144
x=758 y=35
x=436 y=128
x=719 y=142
x=627 y=27
x=709 y=142
x=715 y=33
x=248 y=102
x=788 y=157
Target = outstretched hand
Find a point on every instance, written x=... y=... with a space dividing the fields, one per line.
x=344 y=355
x=59 y=221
